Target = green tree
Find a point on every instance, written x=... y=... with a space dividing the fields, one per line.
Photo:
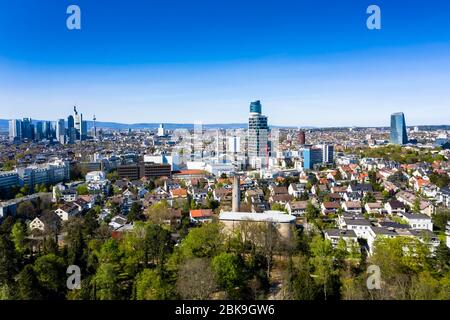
x=311 y=212
x=322 y=263
x=300 y=283
x=18 y=236
x=76 y=244
x=151 y=286
x=416 y=206
x=8 y=259
x=135 y=212
x=425 y=287
x=27 y=287
x=441 y=218
x=51 y=275
x=228 y=269
x=107 y=281
x=205 y=241
x=442 y=257
x=82 y=190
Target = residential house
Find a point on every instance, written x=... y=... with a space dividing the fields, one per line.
x=394 y=207
x=296 y=208
x=329 y=207
x=374 y=207
x=353 y=207
x=335 y=235
x=201 y=215
x=67 y=211
x=418 y=221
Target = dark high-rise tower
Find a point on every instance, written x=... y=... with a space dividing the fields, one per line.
x=301 y=137
x=398 y=129
x=258 y=131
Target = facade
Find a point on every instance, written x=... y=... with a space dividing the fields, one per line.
x=161 y=131
x=71 y=131
x=301 y=137
x=27 y=129
x=15 y=130
x=8 y=180
x=47 y=174
x=311 y=157
x=398 y=129
x=61 y=131
x=281 y=221
x=258 y=132
x=148 y=170
x=327 y=153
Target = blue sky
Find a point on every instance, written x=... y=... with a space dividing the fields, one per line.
x=311 y=63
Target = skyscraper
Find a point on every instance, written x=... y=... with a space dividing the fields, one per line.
x=71 y=131
x=301 y=137
x=312 y=156
x=61 y=131
x=398 y=129
x=39 y=132
x=327 y=153
x=15 y=130
x=47 y=130
x=258 y=131
x=27 y=129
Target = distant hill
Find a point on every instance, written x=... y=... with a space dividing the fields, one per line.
x=173 y=126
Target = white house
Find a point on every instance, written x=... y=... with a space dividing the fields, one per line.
x=335 y=235
x=374 y=207
x=296 y=208
x=418 y=221
x=352 y=207
x=395 y=207
x=37 y=224
x=67 y=211
x=296 y=190
x=361 y=227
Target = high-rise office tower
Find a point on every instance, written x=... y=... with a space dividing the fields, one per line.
x=80 y=125
x=71 y=131
x=398 y=129
x=61 y=131
x=312 y=156
x=258 y=131
x=15 y=130
x=39 y=132
x=161 y=131
x=84 y=131
x=301 y=137
x=327 y=153
x=47 y=130
x=27 y=129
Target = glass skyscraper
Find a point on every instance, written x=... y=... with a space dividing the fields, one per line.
x=258 y=132
x=398 y=129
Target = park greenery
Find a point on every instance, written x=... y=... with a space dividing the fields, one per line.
x=146 y=263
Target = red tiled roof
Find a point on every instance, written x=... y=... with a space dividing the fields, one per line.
x=201 y=213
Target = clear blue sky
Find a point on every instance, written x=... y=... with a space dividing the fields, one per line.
x=311 y=63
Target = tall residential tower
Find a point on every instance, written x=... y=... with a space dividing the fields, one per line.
x=258 y=132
